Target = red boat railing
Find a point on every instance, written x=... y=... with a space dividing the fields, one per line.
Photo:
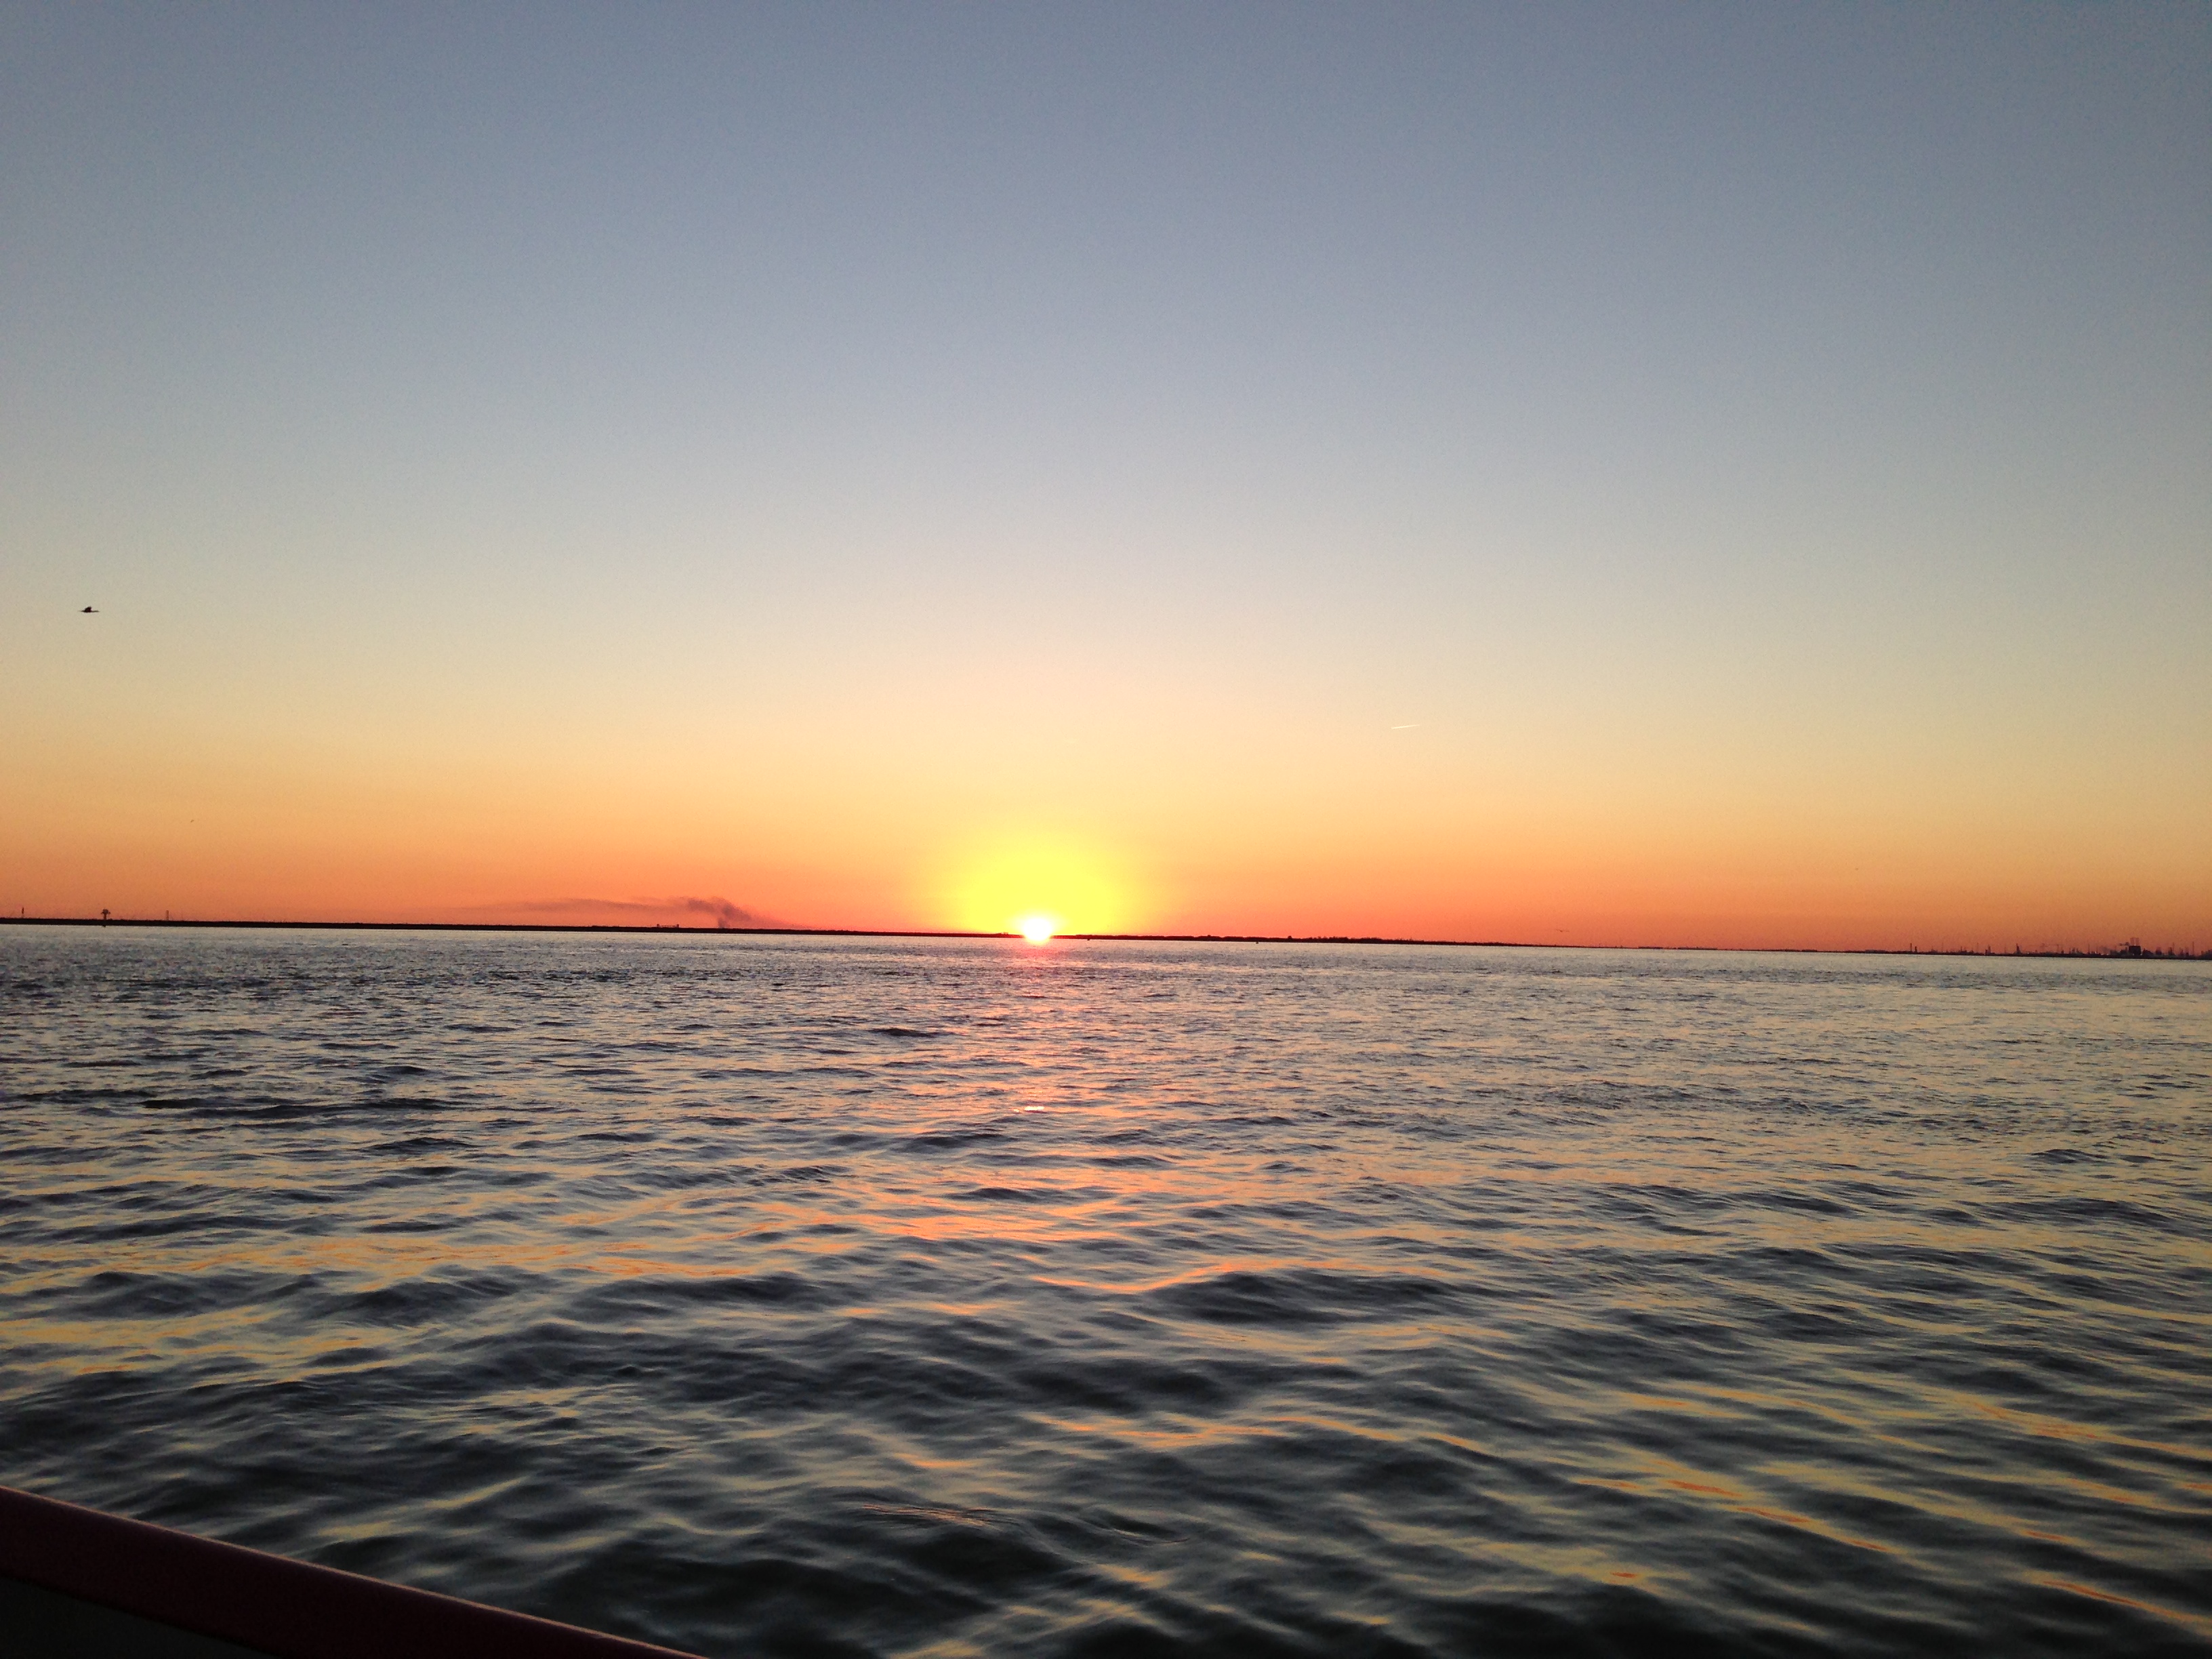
x=286 y=1609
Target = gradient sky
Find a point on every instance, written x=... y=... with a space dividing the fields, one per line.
x=1683 y=474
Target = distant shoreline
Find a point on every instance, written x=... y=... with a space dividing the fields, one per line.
x=2131 y=952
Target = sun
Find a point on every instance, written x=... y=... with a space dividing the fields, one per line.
x=1038 y=885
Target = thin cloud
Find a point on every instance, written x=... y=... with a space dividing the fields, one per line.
x=728 y=915
x=722 y=912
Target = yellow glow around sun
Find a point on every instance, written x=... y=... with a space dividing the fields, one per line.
x=1037 y=886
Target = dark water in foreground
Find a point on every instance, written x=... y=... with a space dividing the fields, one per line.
x=804 y=1296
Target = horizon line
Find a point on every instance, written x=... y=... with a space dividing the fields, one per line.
x=2132 y=951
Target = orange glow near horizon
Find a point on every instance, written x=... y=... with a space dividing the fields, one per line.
x=1181 y=843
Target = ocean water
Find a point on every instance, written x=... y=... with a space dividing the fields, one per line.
x=850 y=1297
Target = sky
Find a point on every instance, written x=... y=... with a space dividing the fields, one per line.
x=1696 y=474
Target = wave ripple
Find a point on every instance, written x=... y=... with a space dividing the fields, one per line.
x=793 y=1297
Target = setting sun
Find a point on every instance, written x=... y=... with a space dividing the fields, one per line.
x=1038 y=887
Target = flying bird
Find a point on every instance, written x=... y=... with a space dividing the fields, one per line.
x=87 y=611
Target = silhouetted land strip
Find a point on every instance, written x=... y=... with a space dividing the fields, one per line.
x=2131 y=951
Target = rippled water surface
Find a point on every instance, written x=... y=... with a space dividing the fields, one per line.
x=815 y=1297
